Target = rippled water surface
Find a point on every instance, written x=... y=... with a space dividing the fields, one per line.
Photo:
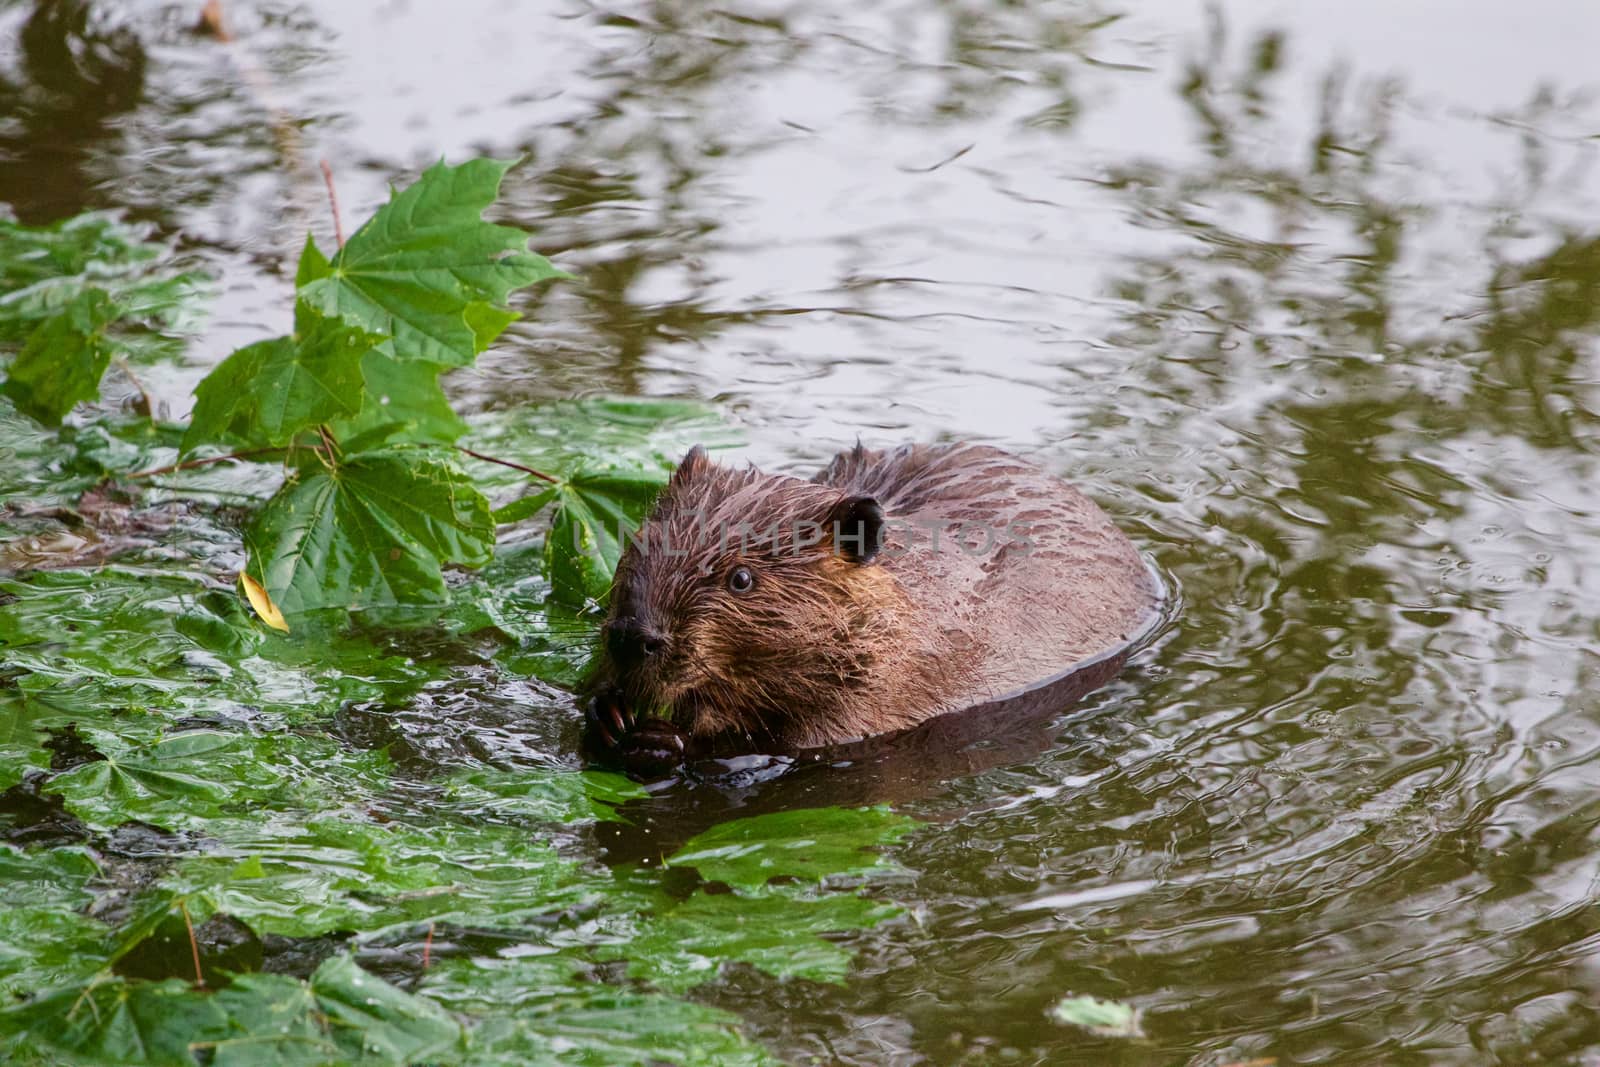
x=1305 y=294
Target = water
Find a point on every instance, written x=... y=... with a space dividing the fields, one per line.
x=1305 y=294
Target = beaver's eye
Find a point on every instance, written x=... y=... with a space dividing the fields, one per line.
x=741 y=580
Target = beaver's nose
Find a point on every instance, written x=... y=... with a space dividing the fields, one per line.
x=631 y=642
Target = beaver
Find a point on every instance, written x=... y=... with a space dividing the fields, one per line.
x=760 y=612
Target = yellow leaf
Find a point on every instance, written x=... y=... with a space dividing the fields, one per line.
x=262 y=603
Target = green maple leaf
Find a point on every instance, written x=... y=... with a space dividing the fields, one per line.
x=341 y=1014
x=372 y=529
x=401 y=402
x=64 y=357
x=810 y=844
x=266 y=393
x=75 y=294
x=427 y=270
x=686 y=945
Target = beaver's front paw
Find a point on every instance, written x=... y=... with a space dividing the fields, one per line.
x=645 y=748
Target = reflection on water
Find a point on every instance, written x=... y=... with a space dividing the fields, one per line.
x=1307 y=298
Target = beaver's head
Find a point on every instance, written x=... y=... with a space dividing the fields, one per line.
x=748 y=599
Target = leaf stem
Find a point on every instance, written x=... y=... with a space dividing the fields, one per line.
x=194 y=945
x=333 y=201
x=193 y=463
x=508 y=463
x=149 y=401
x=330 y=445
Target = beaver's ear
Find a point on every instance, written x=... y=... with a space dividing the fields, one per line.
x=693 y=464
x=857 y=528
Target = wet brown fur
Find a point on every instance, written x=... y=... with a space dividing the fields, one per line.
x=824 y=648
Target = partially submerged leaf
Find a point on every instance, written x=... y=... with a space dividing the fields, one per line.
x=1102 y=1018
x=45 y=939
x=538 y=1011
x=687 y=945
x=75 y=295
x=43 y=269
x=342 y=1015
x=810 y=844
x=427 y=270
x=177 y=781
x=64 y=358
x=372 y=530
x=329 y=874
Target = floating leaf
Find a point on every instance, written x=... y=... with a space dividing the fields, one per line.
x=539 y=1011
x=20 y=751
x=555 y=796
x=427 y=270
x=64 y=358
x=44 y=269
x=45 y=939
x=342 y=1015
x=810 y=844
x=74 y=295
x=268 y=392
x=114 y=1022
x=1102 y=1018
x=331 y=874
x=372 y=530
x=687 y=945
x=373 y=1020
x=174 y=782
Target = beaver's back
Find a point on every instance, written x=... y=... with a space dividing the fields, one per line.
x=1028 y=576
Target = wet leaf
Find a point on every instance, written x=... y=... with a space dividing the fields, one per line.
x=596 y=510
x=555 y=796
x=373 y=1020
x=45 y=939
x=74 y=295
x=372 y=530
x=401 y=402
x=114 y=1022
x=269 y=392
x=536 y=1010
x=427 y=270
x=811 y=844
x=64 y=358
x=687 y=945
x=302 y=878
x=180 y=780
x=1102 y=1018
x=342 y=1015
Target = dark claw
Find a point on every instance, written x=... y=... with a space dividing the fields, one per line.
x=597 y=735
x=654 y=748
x=643 y=747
